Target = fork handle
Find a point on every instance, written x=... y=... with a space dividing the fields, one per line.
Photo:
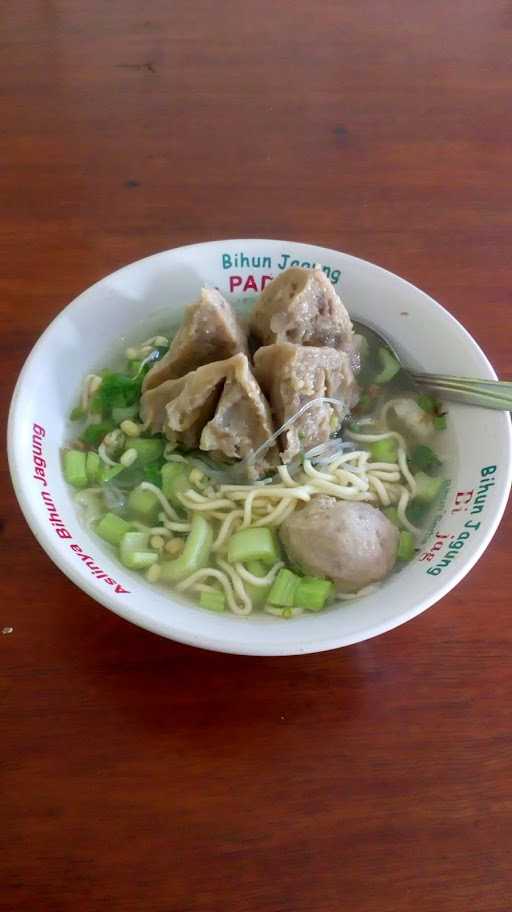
x=493 y=394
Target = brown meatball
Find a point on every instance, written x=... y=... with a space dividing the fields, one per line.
x=351 y=543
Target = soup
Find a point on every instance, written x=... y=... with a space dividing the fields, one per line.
x=273 y=466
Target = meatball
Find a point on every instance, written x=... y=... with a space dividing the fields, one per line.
x=351 y=543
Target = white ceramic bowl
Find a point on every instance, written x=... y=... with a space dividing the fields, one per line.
x=150 y=295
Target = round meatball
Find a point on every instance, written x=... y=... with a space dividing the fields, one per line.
x=351 y=543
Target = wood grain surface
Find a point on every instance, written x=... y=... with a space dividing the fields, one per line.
x=140 y=774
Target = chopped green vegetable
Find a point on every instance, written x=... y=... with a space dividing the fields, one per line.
x=96 y=406
x=213 y=601
x=144 y=505
x=175 y=481
x=74 y=465
x=423 y=458
x=283 y=589
x=94 y=433
x=124 y=412
x=257 y=594
x=109 y=472
x=118 y=390
x=427 y=403
x=134 y=551
x=434 y=407
x=149 y=449
x=153 y=474
x=93 y=467
x=416 y=511
x=406 y=546
x=112 y=528
x=390 y=366
x=312 y=593
x=427 y=488
x=384 y=450
x=253 y=544
x=77 y=413
x=194 y=555
x=392 y=515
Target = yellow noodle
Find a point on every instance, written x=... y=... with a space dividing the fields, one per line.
x=206 y=506
x=238 y=586
x=302 y=492
x=177 y=526
x=404 y=468
x=278 y=515
x=259 y=580
x=401 y=508
x=223 y=579
x=286 y=478
x=248 y=508
x=168 y=509
x=225 y=528
x=380 y=490
x=385 y=476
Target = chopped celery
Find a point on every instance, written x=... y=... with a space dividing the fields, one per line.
x=427 y=403
x=144 y=505
x=94 y=433
x=77 y=413
x=153 y=474
x=124 y=412
x=109 y=472
x=312 y=593
x=390 y=366
x=416 y=511
x=253 y=544
x=149 y=449
x=384 y=450
x=423 y=458
x=427 y=488
x=134 y=551
x=213 y=601
x=392 y=515
x=257 y=594
x=406 y=546
x=175 y=480
x=440 y=422
x=283 y=589
x=112 y=528
x=194 y=555
x=74 y=464
x=93 y=467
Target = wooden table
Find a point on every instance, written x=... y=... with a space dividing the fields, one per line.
x=138 y=774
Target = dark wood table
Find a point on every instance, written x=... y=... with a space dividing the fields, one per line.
x=141 y=774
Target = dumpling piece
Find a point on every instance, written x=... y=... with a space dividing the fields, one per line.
x=210 y=332
x=192 y=398
x=219 y=407
x=301 y=306
x=242 y=420
x=351 y=543
x=291 y=375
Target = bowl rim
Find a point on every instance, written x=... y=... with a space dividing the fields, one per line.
x=221 y=644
